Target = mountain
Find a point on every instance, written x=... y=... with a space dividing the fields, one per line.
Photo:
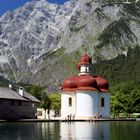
x=41 y=42
x=29 y=32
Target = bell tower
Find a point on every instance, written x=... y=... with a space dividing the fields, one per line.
x=85 y=65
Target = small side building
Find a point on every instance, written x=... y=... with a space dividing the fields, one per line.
x=16 y=105
x=85 y=96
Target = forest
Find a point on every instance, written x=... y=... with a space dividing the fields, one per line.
x=123 y=74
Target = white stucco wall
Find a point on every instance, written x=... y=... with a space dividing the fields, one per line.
x=65 y=108
x=105 y=111
x=86 y=103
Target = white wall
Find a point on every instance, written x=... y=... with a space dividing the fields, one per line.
x=86 y=103
x=41 y=114
x=65 y=108
x=105 y=111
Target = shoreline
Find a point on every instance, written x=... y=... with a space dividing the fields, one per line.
x=78 y=120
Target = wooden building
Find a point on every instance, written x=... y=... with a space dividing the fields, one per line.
x=17 y=104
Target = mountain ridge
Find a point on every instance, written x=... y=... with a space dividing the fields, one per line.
x=36 y=39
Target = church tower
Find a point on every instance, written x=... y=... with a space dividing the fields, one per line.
x=84 y=96
x=85 y=65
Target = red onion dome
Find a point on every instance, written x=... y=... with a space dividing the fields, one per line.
x=86 y=82
x=85 y=59
x=102 y=84
x=69 y=84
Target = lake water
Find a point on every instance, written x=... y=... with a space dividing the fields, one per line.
x=70 y=131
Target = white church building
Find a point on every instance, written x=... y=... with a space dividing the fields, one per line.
x=85 y=96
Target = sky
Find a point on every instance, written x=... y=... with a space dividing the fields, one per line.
x=6 y=5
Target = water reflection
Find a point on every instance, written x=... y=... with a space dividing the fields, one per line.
x=70 y=131
x=29 y=131
x=125 y=130
x=85 y=131
x=17 y=131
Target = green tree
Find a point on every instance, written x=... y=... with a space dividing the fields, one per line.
x=35 y=90
x=55 y=99
x=46 y=104
x=116 y=104
x=125 y=98
x=135 y=100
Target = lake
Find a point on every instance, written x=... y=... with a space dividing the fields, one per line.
x=70 y=130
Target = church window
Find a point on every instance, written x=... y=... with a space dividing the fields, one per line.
x=70 y=101
x=102 y=102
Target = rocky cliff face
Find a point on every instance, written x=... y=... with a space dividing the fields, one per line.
x=108 y=28
x=41 y=42
x=29 y=32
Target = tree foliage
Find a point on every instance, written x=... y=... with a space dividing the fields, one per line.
x=46 y=103
x=55 y=99
x=120 y=69
x=125 y=98
x=49 y=101
x=123 y=74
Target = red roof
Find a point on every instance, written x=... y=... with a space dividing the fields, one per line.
x=85 y=60
x=85 y=82
x=102 y=84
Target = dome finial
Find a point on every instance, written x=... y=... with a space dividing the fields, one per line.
x=85 y=59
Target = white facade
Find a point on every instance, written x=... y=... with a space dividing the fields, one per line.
x=85 y=96
x=85 y=104
x=66 y=108
x=105 y=111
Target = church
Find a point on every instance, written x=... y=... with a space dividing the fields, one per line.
x=85 y=96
